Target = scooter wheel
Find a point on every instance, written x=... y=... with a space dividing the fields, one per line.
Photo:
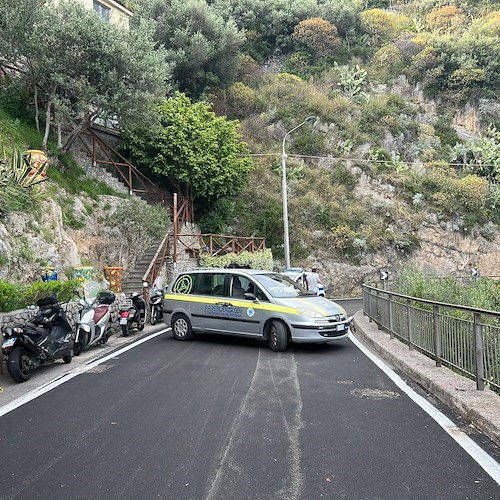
x=79 y=347
x=140 y=327
x=125 y=330
x=67 y=359
x=18 y=364
x=154 y=316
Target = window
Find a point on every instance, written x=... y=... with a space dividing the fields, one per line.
x=209 y=284
x=241 y=285
x=102 y=11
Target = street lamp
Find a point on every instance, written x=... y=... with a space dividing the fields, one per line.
x=285 y=200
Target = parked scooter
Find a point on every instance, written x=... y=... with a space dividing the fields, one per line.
x=132 y=313
x=156 y=305
x=46 y=337
x=93 y=320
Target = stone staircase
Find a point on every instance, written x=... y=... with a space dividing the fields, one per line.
x=132 y=281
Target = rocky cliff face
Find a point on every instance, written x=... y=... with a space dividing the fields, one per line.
x=31 y=242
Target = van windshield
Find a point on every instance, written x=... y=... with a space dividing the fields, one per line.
x=280 y=286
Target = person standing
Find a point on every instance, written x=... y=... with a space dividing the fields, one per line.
x=313 y=281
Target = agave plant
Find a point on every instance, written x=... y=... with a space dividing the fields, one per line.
x=27 y=168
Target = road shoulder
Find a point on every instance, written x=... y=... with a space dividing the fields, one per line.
x=481 y=408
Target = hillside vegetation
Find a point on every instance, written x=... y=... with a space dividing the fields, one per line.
x=402 y=153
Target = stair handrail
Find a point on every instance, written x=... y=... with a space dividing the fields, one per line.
x=152 y=264
x=149 y=188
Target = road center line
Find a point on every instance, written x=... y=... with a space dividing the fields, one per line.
x=83 y=368
x=488 y=463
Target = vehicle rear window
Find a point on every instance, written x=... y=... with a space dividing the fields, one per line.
x=184 y=284
x=209 y=284
x=280 y=286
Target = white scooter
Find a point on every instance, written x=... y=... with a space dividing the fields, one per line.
x=93 y=320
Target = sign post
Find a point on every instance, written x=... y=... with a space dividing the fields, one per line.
x=384 y=276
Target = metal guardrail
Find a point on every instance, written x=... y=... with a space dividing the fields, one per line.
x=464 y=338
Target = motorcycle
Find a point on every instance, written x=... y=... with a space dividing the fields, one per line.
x=132 y=313
x=156 y=306
x=93 y=320
x=46 y=337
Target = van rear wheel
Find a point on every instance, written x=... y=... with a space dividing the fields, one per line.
x=278 y=336
x=181 y=327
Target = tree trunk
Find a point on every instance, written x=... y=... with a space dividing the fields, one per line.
x=59 y=133
x=37 y=110
x=47 y=123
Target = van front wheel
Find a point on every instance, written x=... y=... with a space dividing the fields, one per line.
x=278 y=336
x=181 y=327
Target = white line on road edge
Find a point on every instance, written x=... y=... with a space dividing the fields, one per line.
x=488 y=463
x=69 y=375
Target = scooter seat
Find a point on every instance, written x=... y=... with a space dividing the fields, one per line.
x=99 y=312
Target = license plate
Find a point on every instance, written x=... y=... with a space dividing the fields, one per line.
x=123 y=321
x=9 y=342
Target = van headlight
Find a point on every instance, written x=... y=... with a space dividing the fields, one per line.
x=310 y=313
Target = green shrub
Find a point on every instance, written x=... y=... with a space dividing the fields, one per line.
x=240 y=100
x=472 y=191
x=482 y=293
x=446 y=18
x=14 y=99
x=17 y=296
x=40 y=289
x=317 y=35
x=216 y=216
x=388 y=56
x=263 y=259
x=10 y=296
x=382 y=24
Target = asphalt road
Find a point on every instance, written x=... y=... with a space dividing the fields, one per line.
x=226 y=418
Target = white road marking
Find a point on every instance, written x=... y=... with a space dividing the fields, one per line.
x=488 y=463
x=73 y=373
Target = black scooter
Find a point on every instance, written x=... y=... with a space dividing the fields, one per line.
x=132 y=313
x=46 y=337
x=156 y=306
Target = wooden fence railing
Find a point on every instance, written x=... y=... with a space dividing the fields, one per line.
x=217 y=244
x=106 y=155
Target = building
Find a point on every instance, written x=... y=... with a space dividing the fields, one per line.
x=112 y=11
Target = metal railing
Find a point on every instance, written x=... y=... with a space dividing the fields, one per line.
x=464 y=338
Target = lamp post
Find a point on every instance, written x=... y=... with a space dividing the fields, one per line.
x=285 y=200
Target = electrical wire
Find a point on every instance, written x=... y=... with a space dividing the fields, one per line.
x=363 y=160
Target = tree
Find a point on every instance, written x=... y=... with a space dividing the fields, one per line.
x=317 y=35
x=199 y=153
x=268 y=24
x=83 y=66
x=202 y=45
